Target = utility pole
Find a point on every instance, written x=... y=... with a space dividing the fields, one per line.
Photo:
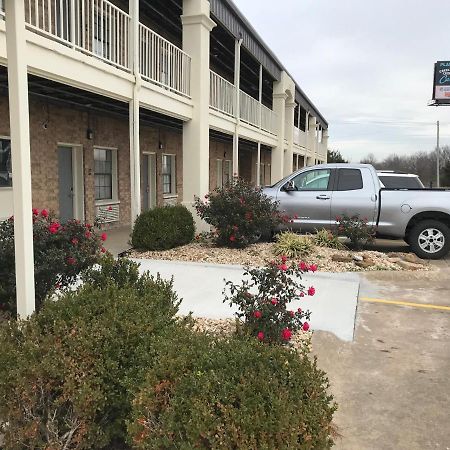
x=438 y=156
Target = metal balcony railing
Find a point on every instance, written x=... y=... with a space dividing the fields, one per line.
x=222 y=95
x=268 y=120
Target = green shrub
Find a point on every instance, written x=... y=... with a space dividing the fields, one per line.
x=356 y=229
x=263 y=296
x=240 y=214
x=293 y=245
x=325 y=238
x=163 y=228
x=232 y=394
x=61 y=252
x=68 y=375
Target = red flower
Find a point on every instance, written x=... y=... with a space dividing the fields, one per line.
x=305 y=326
x=313 y=267
x=87 y=234
x=338 y=218
x=44 y=213
x=103 y=250
x=109 y=208
x=261 y=336
x=248 y=216
x=303 y=266
x=302 y=294
x=232 y=238
x=295 y=216
x=35 y=212
x=274 y=302
x=54 y=227
x=311 y=291
x=299 y=310
x=284 y=258
x=286 y=334
x=241 y=201
x=88 y=226
x=283 y=267
x=74 y=241
x=71 y=261
x=257 y=315
x=104 y=237
x=292 y=313
x=235 y=228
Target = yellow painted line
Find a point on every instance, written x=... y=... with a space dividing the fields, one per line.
x=402 y=303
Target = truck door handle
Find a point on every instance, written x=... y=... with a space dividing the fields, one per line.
x=323 y=197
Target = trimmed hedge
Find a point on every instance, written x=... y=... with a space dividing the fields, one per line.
x=163 y=228
x=68 y=375
x=236 y=394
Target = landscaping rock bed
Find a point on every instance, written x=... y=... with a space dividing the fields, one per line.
x=327 y=259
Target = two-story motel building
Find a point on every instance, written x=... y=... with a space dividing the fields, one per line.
x=134 y=104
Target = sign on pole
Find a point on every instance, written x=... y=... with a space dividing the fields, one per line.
x=441 y=86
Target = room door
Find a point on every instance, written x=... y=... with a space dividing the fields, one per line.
x=66 y=185
x=149 y=181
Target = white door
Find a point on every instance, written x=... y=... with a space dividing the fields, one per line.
x=149 y=181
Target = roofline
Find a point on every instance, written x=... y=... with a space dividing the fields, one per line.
x=250 y=27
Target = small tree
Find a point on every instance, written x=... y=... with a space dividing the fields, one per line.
x=334 y=156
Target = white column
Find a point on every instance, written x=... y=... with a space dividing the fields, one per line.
x=197 y=26
x=135 y=153
x=289 y=154
x=258 y=165
x=325 y=137
x=21 y=164
x=277 y=161
x=237 y=87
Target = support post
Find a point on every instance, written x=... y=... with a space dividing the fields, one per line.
x=20 y=149
x=197 y=26
x=134 y=129
x=237 y=89
x=258 y=165
x=438 y=157
x=289 y=125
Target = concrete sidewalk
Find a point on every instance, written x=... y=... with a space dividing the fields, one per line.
x=200 y=285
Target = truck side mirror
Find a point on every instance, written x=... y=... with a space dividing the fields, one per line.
x=289 y=186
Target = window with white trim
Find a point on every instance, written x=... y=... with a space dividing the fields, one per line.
x=5 y=162
x=105 y=174
x=169 y=175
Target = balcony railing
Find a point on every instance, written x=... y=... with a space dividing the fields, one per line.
x=249 y=109
x=268 y=120
x=102 y=30
x=222 y=95
x=163 y=63
x=299 y=137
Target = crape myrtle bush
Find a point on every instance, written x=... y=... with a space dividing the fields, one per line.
x=240 y=213
x=263 y=300
x=356 y=229
x=68 y=375
x=163 y=228
x=232 y=394
x=61 y=252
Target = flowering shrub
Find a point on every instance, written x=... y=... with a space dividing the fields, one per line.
x=293 y=245
x=263 y=299
x=326 y=238
x=356 y=229
x=232 y=394
x=240 y=213
x=61 y=252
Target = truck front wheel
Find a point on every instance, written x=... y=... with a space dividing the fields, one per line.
x=430 y=239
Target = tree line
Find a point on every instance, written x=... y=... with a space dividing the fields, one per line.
x=421 y=163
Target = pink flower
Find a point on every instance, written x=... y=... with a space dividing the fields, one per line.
x=302 y=294
x=71 y=261
x=311 y=291
x=87 y=235
x=74 y=241
x=274 y=302
x=286 y=334
x=35 y=212
x=54 y=227
x=303 y=266
x=284 y=258
x=44 y=213
x=257 y=315
x=103 y=250
x=283 y=267
x=299 y=310
x=295 y=216
x=292 y=313
x=88 y=226
x=109 y=208
x=232 y=238
x=241 y=201
x=235 y=228
x=305 y=326
x=104 y=237
x=313 y=267
x=338 y=218
x=261 y=336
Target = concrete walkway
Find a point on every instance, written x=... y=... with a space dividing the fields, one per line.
x=200 y=285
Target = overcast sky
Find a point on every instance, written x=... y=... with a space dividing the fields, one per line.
x=367 y=65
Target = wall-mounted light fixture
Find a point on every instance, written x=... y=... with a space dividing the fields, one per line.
x=90 y=134
x=161 y=145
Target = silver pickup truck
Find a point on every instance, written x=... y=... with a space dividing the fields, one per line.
x=316 y=195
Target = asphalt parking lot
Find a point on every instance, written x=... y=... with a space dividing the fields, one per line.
x=392 y=382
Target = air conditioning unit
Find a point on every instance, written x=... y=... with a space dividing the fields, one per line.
x=108 y=213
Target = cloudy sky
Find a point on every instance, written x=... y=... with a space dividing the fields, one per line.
x=366 y=64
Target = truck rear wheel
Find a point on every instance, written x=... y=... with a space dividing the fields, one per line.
x=430 y=239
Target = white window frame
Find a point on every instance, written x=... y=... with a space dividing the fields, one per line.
x=7 y=188
x=115 y=190
x=173 y=175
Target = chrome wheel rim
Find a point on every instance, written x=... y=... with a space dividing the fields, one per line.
x=431 y=240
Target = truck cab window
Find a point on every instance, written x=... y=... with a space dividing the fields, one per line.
x=349 y=180
x=313 y=180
